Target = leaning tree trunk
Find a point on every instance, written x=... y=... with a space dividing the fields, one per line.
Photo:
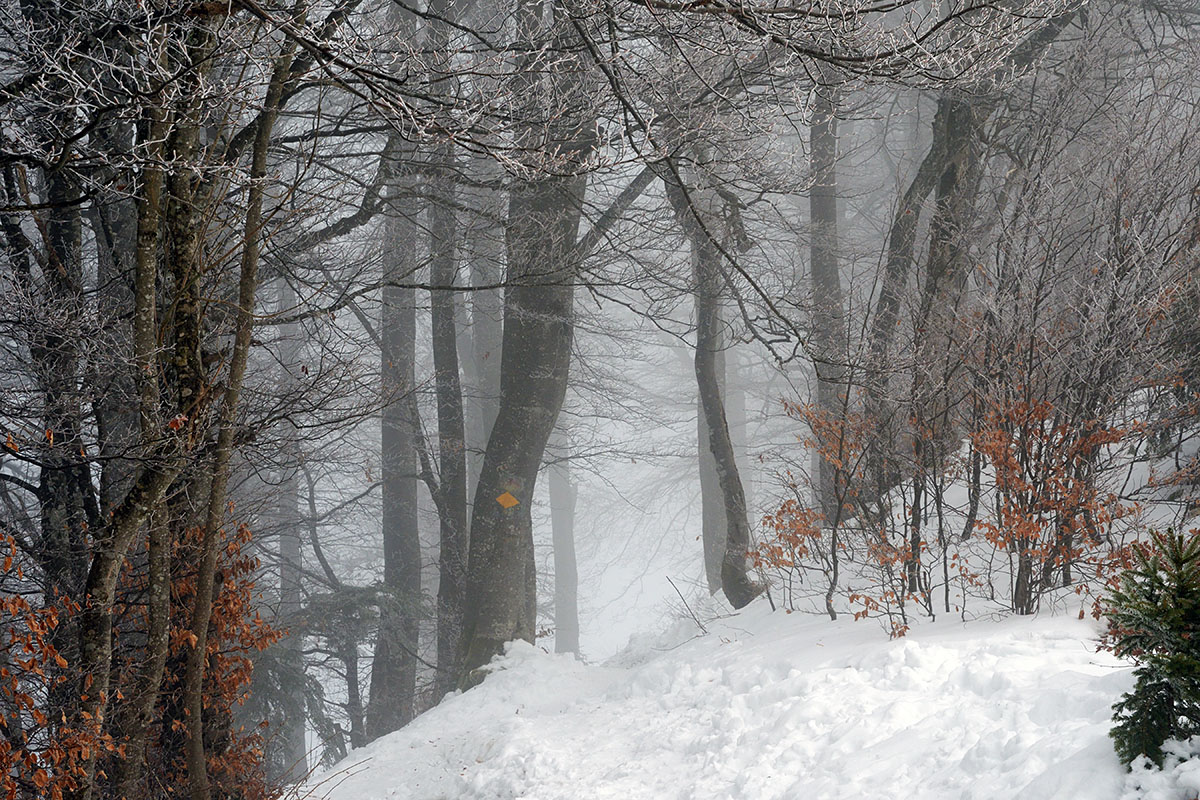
x=739 y=589
x=735 y=581
x=712 y=499
x=948 y=149
x=197 y=657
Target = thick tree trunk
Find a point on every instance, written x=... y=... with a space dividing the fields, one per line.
x=538 y=325
x=138 y=713
x=452 y=505
x=114 y=226
x=393 y=687
x=484 y=240
x=96 y=619
x=541 y=231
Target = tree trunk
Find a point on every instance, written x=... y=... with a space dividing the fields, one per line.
x=563 y=494
x=712 y=500
x=538 y=325
x=452 y=505
x=484 y=237
x=354 y=703
x=452 y=508
x=709 y=279
x=828 y=343
x=735 y=582
x=394 y=669
x=733 y=389
x=541 y=231
x=138 y=712
x=197 y=658
x=114 y=226
x=949 y=149
x=290 y=743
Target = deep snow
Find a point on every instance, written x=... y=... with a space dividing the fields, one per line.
x=770 y=705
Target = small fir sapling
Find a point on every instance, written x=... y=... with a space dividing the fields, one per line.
x=1154 y=618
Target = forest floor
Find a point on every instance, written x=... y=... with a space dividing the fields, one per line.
x=767 y=706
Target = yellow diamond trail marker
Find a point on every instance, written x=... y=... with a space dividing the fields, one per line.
x=507 y=500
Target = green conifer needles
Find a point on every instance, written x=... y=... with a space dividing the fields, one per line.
x=1155 y=621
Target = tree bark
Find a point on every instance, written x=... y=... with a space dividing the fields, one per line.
x=394 y=669
x=828 y=350
x=290 y=744
x=688 y=206
x=541 y=232
x=197 y=657
x=712 y=500
x=538 y=326
x=735 y=582
x=484 y=238
x=452 y=455
x=563 y=494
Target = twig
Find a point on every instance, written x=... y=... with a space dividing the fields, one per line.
x=691 y=613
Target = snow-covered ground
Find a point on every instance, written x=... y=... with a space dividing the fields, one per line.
x=770 y=705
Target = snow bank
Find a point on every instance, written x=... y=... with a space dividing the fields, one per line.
x=1179 y=778
x=770 y=706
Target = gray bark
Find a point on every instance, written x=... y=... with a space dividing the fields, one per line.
x=484 y=239
x=394 y=670
x=563 y=494
x=828 y=342
x=712 y=501
x=736 y=584
x=290 y=743
x=452 y=500
x=538 y=327
x=541 y=232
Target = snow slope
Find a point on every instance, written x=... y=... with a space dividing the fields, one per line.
x=769 y=706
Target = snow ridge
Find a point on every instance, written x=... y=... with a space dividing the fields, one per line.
x=774 y=706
